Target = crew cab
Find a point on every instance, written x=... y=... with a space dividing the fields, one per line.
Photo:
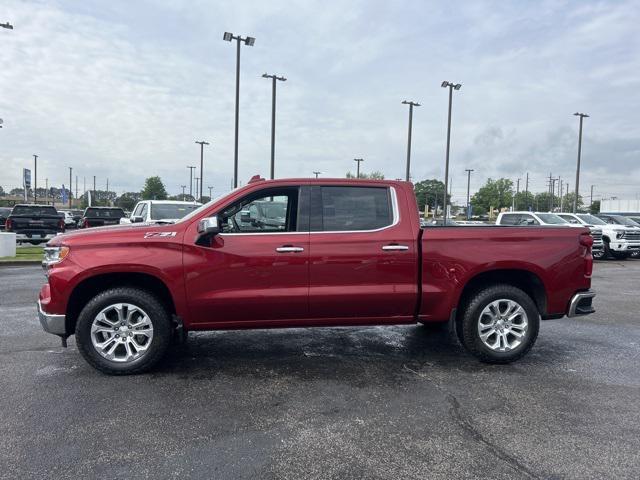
x=160 y=211
x=100 y=217
x=350 y=252
x=34 y=223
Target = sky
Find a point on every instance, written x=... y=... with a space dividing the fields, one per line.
x=122 y=90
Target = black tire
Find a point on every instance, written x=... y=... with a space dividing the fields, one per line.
x=158 y=315
x=468 y=323
x=599 y=254
x=619 y=255
x=635 y=254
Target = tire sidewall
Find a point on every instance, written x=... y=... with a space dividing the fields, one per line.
x=157 y=315
x=472 y=317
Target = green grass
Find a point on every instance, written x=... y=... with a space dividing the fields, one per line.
x=25 y=254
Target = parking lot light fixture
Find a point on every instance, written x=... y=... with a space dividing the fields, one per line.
x=411 y=105
x=7 y=25
x=358 y=160
x=451 y=86
x=202 y=144
x=317 y=173
x=249 y=41
x=575 y=199
x=191 y=168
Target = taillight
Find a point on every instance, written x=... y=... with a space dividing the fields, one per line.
x=587 y=240
x=85 y=224
x=61 y=225
x=8 y=225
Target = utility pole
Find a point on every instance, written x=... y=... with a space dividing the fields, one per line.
x=591 y=202
x=249 y=41
x=411 y=105
x=561 y=197
x=183 y=187
x=76 y=190
x=191 y=181
x=451 y=86
x=273 y=78
x=70 y=184
x=553 y=193
x=517 y=193
x=317 y=173
x=35 y=179
x=468 y=170
x=575 y=200
x=202 y=144
x=46 y=190
x=93 y=194
x=358 y=160
x=550 y=191
x=210 y=188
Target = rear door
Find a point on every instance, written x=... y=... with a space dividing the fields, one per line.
x=363 y=257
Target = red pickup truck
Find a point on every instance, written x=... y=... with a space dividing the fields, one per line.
x=332 y=253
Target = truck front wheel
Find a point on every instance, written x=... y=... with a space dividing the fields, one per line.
x=122 y=331
x=499 y=324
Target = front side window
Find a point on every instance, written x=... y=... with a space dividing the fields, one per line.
x=270 y=212
x=138 y=209
x=354 y=209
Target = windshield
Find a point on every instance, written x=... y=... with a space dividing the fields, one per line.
x=591 y=219
x=620 y=220
x=104 y=213
x=171 y=210
x=34 y=210
x=551 y=218
x=206 y=205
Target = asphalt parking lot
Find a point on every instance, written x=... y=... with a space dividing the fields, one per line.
x=387 y=402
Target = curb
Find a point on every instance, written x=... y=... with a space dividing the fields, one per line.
x=17 y=263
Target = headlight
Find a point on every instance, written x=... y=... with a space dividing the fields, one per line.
x=53 y=255
x=620 y=233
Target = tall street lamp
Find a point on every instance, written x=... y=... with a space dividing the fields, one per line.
x=451 y=86
x=575 y=200
x=273 y=78
x=35 y=178
x=210 y=188
x=191 y=168
x=249 y=41
x=468 y=170
x=197 y=184
x=6 y=25
x=358 y=160
x=70 y=184
x=317 y=173
x=411 y=105
x=183 y=187
x=202 y=144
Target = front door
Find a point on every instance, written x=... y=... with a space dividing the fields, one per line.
x=256 y=269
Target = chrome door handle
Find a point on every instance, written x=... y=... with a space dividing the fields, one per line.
x=395 y=247
x=289 y=249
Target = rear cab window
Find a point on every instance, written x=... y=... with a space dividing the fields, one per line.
x=35 y=210
x=104 y=213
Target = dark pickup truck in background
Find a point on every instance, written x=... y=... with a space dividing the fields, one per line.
x=100 y=217
x=34 y=223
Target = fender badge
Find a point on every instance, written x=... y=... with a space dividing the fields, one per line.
x=159 y=234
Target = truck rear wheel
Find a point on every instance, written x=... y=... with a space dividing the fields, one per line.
x=499 y=324
x=123 y=331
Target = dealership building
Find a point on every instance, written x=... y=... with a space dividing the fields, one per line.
x=620 y=207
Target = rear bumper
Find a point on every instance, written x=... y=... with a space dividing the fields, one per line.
x=581 y=304
x=35 y=236
x=52 y=323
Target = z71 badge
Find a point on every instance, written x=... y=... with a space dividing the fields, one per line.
x=159 y=234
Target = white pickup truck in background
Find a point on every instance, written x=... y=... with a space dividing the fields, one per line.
x=160 y=211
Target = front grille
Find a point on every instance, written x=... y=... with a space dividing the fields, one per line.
x=632 y=236
x=597 y=235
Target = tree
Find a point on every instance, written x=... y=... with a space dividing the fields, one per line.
x=567 y=202
x=595 y=207
x=524 y=200
x=429 y=192
x=377 y=175
x=154 y=189
x=495 y=194
x=128 y=200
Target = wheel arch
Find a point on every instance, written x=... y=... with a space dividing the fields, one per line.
x=91 y=286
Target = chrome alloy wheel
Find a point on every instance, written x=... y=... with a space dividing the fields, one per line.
x=502 y=325
x=122 y=332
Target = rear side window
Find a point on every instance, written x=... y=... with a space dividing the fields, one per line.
x=510 y=219
x=353 y=208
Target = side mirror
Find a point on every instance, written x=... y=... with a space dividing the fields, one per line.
x=209 y=226
x=137 y=219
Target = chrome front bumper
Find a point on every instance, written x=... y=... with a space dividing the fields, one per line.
x=581 y=304
x=52 y=323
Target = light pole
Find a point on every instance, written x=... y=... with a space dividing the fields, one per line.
x=273 y=78
x=411 y=105
x=70 y=184
x=202 y=144
x=591 y=201
x=517 y=192
x=249 y=41
x=317 y=173
x=358 y=160
x=197 y=178
x=451 y=86
x=183 y=187
x=35 y=178
x=210 y=188
x=6 y=25
x=191 y=168
x=468 y=170
x=575 y=200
